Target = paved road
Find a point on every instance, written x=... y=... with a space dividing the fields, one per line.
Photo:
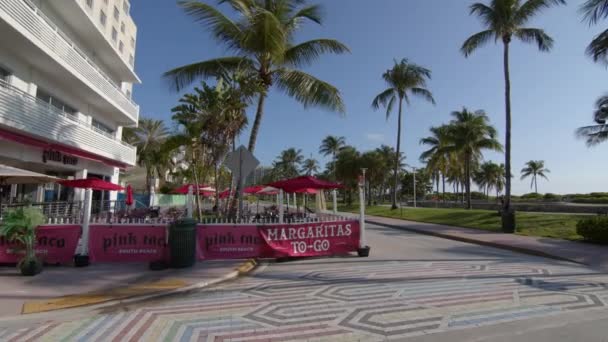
x=413 y=288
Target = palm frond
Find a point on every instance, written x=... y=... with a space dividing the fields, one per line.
x=423 y=93
x=532 y=7
x=598 y=48
x=476 y=41
x=308 y=90
x=265 y=35
x=484 y=12
x=594 y=10
x=593 y=135
x=184 y=76
x=390 y=106
x=312 y=13
x=222 y=27
x=382 y=99
x=308 y=52
x=528 y=35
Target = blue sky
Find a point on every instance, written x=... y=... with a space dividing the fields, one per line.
x=552 y=94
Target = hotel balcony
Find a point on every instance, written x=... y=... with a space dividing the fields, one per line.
x=24 y=114
x=35 y=39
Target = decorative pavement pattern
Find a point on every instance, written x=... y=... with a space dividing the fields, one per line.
x=347 y=301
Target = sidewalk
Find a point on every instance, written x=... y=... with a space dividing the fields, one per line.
x=61 y=287
x=595 y=256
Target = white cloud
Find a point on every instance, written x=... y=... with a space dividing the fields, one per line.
x=375 y=137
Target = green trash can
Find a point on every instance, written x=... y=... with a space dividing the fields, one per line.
x=182 y=243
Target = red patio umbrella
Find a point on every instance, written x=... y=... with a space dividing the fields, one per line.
x=201 y=188
x=303 y=183
x=225 y=194
x=129 y=199
x=252 y=190
x=307 y=191
x=91 y=183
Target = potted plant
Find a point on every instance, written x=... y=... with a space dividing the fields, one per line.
x=19 y=226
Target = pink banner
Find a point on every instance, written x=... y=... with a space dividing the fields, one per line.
x=54 y=244
x=231 y=242
x=127 y=243
x=312 y=239
x=276 y=241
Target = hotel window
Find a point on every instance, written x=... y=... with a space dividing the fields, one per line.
x=120 y=46
x=131 y=60
x=128 y=93
x=116 y=13
x=122 y=27
x=125 y=6
x=55 y=102
x=114 y=34
x=102 y=127
x=5 y=76
x=132 y=42
x=102 y=18
x=90 y=3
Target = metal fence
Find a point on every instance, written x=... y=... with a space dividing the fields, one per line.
x=56 y=211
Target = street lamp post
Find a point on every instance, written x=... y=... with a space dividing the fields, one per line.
x=363 y=250
x=414 y=170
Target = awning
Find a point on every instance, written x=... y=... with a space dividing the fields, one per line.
x=13 y=175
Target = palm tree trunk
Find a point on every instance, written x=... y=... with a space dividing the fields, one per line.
x=256 y=123
x=217 y=193
x=467 y=171
x=535 y=185
x=443 y=181
x=394 y=206
x=507 y=205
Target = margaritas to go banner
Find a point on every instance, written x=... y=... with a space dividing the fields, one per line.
x=312 y=239
x=277 y=241
x=54 y=244
x=127 y=243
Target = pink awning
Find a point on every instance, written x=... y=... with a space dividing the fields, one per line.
x=304 y=182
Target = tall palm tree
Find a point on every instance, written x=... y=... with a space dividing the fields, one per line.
x=332 y=145
x=598 y=133
x=403 y=80
x=469 y=134
x=436 y=159
x=505 y=20
x=534 y=168
x=593 y=11
x=149 y=137
x=310 y=167
x=262 y=37
x=288 y=162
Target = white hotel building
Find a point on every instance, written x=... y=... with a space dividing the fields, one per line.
x=66 y=76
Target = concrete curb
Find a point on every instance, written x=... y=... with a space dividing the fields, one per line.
x=242 y=269
x=512 y=248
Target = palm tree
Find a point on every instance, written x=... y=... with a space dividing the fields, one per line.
x=403 y=80
x=262 y=38
x=288 y=163
x=593 y=11
x=310 y=167
x=505 y=19
x=437 y=160
x=469 y=134
x=149 y=137
x=489 y=176
x=596 y=134
x=332 y=145
x=534 y=168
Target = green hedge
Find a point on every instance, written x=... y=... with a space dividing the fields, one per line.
x=594 y=229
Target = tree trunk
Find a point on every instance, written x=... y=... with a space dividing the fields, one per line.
x=467 y=171
x=394 y=206
x=256 y=123
x=443 y=185
x=507 y=204
x=217 y=194
x=535 y=185
x=196 y=182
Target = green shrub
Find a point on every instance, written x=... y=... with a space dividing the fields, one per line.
x=476 y=195
x=594 y=229
x=590 y=200
x=552 y=197
x=532 y=196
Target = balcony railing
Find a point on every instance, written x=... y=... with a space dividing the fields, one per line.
x=31 y=19
x=23 y=111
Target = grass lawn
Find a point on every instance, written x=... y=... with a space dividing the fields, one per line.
x=554 y=225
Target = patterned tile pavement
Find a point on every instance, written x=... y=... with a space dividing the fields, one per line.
x=346 y=300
